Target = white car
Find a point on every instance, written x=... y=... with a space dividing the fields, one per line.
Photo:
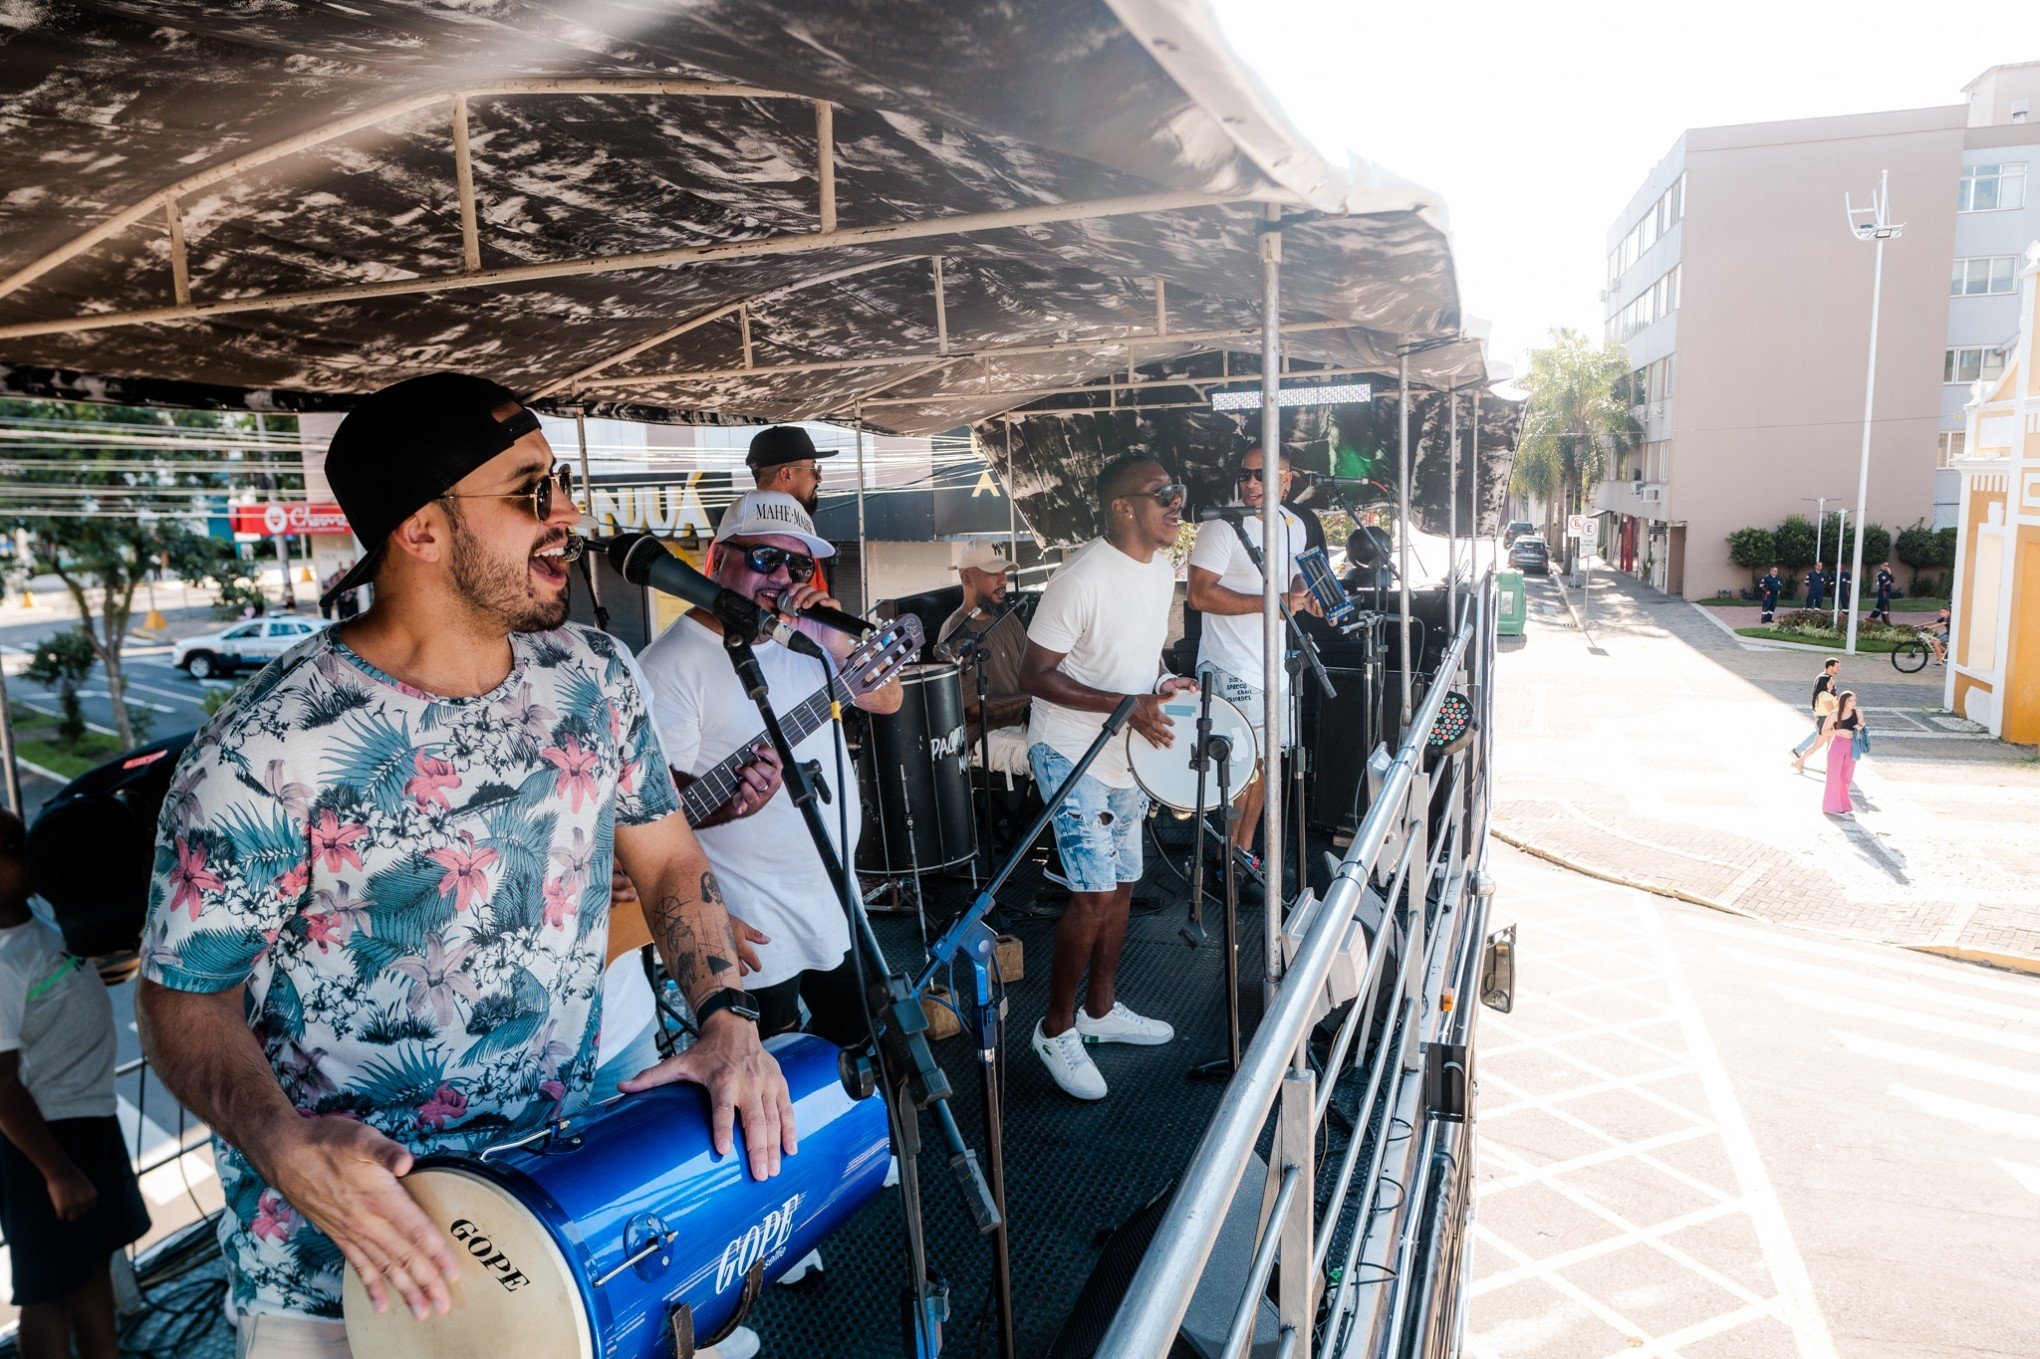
x=244 y=646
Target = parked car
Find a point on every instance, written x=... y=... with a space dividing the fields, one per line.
x=1520 y=528
x=244 y=646
x=1531 y=555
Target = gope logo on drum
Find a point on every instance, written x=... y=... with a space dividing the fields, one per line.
x=758 y=1243
x=486 y=1254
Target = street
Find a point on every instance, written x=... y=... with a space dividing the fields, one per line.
x=1712 y=1135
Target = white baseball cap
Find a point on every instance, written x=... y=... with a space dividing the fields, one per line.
x=762 y=512
x=986 y=557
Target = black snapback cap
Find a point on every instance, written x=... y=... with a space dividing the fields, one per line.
x=407 y=445
x=781 y=444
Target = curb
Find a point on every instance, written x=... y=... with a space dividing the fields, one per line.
x=2010 y=962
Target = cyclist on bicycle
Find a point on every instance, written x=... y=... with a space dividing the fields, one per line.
x=1936 y=634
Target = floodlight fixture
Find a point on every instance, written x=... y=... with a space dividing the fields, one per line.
x=1335 y=394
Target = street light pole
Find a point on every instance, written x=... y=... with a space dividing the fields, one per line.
x=1841 y=532
x=1877 y=226
x=1819 y=521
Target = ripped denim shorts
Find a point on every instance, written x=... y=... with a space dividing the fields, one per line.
x=1097 y=828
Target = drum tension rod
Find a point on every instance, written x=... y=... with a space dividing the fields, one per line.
x=657 y=1243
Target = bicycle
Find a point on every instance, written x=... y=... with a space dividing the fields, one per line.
x=1911 y=655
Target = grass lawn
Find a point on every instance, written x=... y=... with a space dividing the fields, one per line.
x=1876 y=644
x=35 y=740
x=1924 y=604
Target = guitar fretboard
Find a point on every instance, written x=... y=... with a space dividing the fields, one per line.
x=701 y=798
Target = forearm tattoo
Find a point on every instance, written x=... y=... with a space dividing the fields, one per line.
x=697 y=939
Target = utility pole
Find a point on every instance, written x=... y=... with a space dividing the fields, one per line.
x=1868 y=224
x=1820 y=522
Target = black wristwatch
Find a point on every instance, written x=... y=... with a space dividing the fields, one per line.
x=737 y=1001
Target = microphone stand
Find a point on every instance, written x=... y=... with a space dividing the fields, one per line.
x=968 y=936
x=1193 y=930
x=915 y=1079
x=1220 y=749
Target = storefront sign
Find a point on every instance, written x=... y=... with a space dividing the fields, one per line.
x=280 y=521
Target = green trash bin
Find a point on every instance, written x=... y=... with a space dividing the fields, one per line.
x=1509 y=616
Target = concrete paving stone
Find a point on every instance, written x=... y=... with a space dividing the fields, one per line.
x=1531 y=1317
x=1656 y=1293
x=1627 y=1116
x=1538 y=1221
x=1638 y=1193
x=1765 y=1338
x=1541 y=1138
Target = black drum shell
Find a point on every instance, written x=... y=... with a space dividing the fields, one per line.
x=919 y=777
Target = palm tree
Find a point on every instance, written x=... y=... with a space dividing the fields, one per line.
x=1579 y=412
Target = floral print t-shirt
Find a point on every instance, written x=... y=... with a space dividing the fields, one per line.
x=415 y=891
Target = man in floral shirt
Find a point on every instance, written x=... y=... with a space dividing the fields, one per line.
x=396 y=842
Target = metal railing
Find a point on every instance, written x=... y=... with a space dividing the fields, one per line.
x=1396 y=1290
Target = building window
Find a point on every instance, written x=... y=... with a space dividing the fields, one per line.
x=1952 y=442
x=1970 y=362
x=1981 y=274
x=1987 y=188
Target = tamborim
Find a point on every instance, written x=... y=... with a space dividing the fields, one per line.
x=1170 y=776
x=613 y=1237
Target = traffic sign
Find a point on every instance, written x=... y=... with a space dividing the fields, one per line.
x=1576 y=525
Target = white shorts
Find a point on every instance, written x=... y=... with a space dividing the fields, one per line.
x=1008 y=749
x=1251 y=700
x=279 y=1335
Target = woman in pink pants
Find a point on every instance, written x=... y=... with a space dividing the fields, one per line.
x=1841 y=754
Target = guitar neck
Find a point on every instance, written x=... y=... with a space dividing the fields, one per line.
x=701 y=797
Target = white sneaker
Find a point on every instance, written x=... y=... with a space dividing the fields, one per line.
x=1069 y=1064
x=892 y=1172
x=1121 y=1025
x=742 y=1343
x=811 y=1263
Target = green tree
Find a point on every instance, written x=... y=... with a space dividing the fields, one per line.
x=1876 y=547
x=61 y=662
x=1793 y=541
x=211 y=562
x=1753 y=549
x=1578 y=420
x=1918 y=547
x=107 y=493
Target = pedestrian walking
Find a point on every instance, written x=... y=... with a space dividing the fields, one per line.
x=1843 y=726
x=1886 y=582
x=1816 y=586
x=1768 y=589
x=1824 y=690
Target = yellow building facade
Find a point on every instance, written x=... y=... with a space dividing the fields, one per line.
x=1994 y=669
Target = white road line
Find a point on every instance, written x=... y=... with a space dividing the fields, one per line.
x=55 y=712
x=138 y=702
x=188 y=698
x=1874 y=955
x=1987 y=1117
x=1801 y=1312
x=1902 y=990
x=1908 y=1019
x=136 y=1131
x=1941 y=1063
x=2027 y=1176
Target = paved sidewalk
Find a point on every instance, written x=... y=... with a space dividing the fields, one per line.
x=1653 y=750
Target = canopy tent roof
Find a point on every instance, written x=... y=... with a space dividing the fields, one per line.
x=736 y=210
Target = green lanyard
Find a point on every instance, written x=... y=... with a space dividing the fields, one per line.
x=65 y=969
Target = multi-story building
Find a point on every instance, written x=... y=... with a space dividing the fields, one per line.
x=1744 y=301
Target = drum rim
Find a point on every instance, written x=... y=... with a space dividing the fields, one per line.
x=1253 y=769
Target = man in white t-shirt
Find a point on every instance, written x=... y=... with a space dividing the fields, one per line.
x=765 y=549
x=1225 y=586
x=1096 y=638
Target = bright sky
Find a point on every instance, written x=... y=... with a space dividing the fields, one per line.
x=1536 y=122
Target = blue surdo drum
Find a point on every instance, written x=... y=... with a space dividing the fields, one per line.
x=621 y=1234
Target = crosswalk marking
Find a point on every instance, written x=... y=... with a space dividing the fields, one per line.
x=1947 y=1064
x=1872 y=955
x=1909 y=1019
x=2027 y=1176
x=1902 y=989
x=1986 y=1117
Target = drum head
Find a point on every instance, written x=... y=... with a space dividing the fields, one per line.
x=515 y=1293
x=1169 y=777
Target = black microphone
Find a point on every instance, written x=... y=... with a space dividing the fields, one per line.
x=829 y=618
x=1348 y=485
x=1232 y=514
x=642 y=560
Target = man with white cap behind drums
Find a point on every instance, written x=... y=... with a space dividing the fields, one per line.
x=985 y=636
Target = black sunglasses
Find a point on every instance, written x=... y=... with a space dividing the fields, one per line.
x=539 y=497
x=766 y=559
x=1252 y=473
x=1167 y=496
